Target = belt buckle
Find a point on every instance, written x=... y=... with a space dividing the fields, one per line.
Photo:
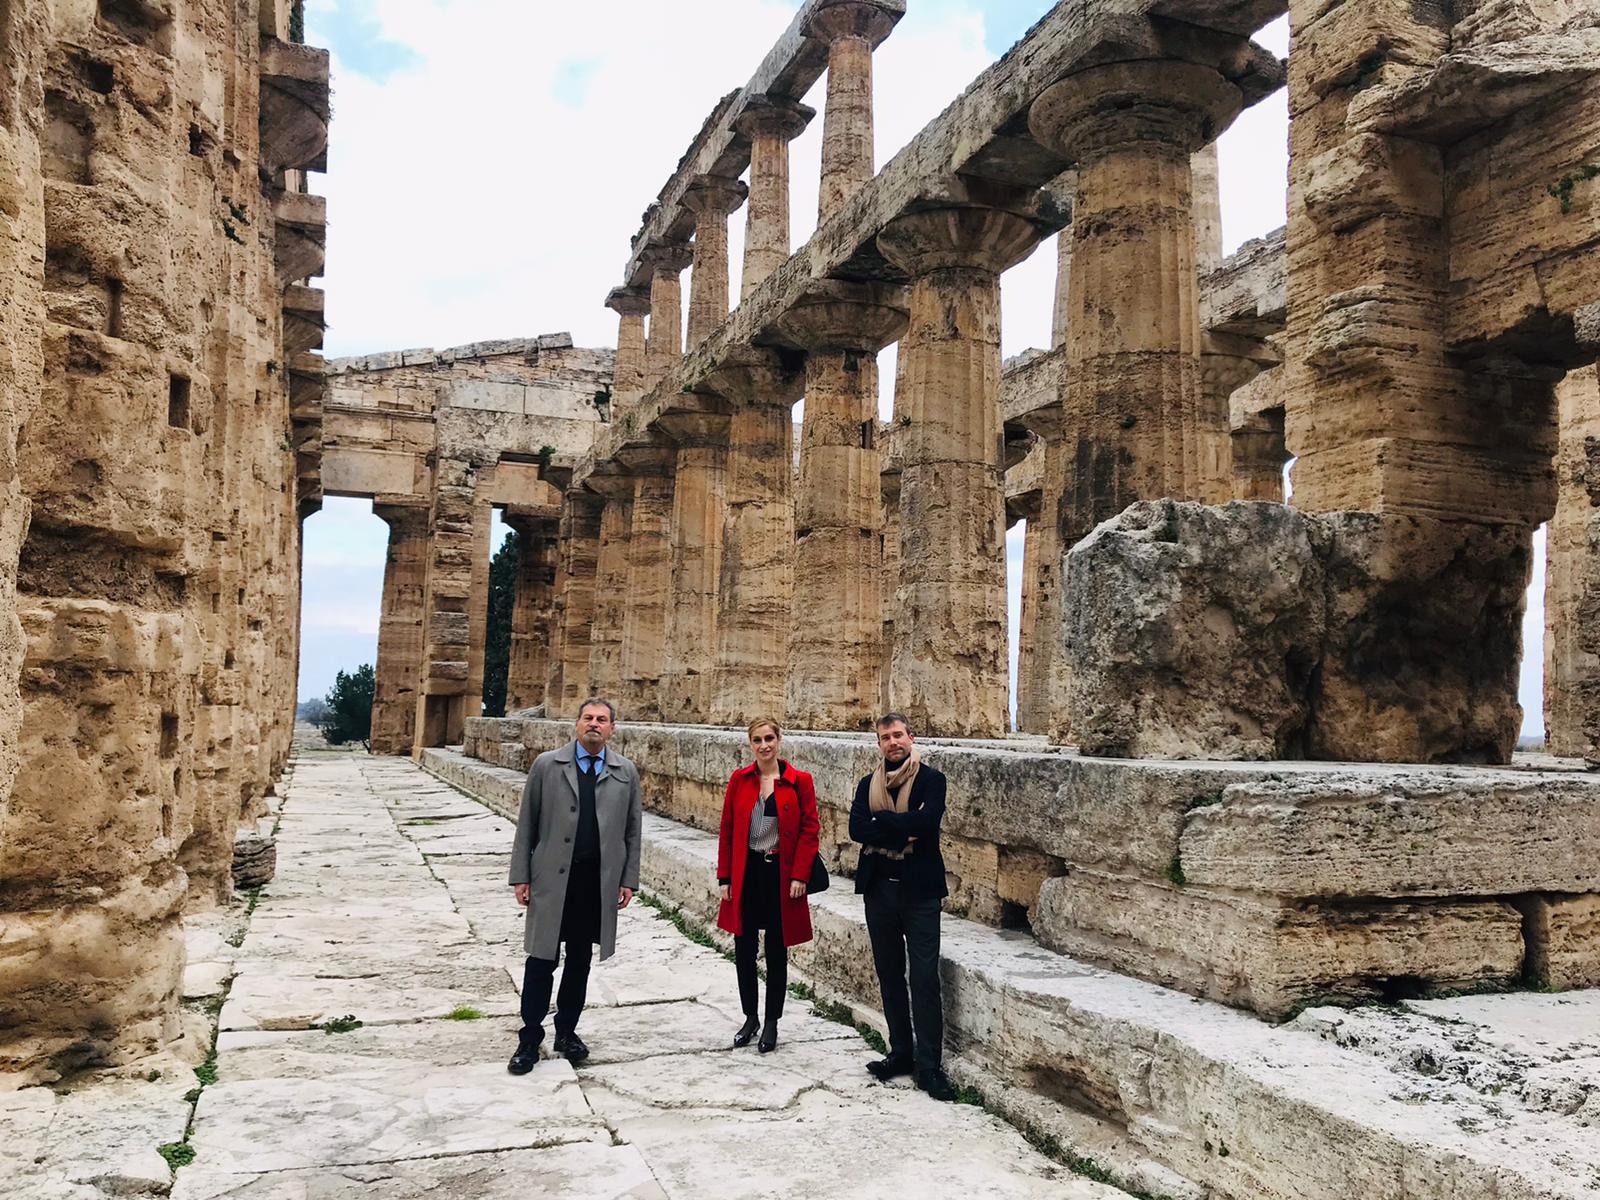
x=770 y=855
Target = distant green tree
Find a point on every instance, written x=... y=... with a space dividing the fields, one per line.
x=314 y=711
x=350 y=707
x=497 y=637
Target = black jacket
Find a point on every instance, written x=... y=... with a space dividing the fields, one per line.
x=922 y=870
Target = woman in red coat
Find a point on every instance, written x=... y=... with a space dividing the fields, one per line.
x=769 y=839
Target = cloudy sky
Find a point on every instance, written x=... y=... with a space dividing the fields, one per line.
x=491 y=158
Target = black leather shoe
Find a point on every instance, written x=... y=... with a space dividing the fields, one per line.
x=937 y=1084
x=571 y=1047
x=769 y=1038
x=522 y=1061
x=747 y=1031
x=891 y=1067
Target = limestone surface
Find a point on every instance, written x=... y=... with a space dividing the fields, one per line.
x=1258 y=631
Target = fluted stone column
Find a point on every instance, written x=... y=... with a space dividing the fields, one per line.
x=770 y=124
x=1131 y=386
x=1572 y=580
x=455 y=608
x=580 y=552
x=664 y=345
x=649 y=579
x=949 y=671
x=1041 y=669
x=628 y=375
x=1061 y=313
x=533 y=607
x=1205 y=190
x=399 y=667
x=711 y=198
x=610 y=580
x=757 y=581
x=836 y=661
x=852 y=29
x=699 y=508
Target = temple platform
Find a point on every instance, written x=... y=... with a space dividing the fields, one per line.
x=1174 y=1095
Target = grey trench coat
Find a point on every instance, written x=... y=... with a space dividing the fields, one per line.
x=541 y=856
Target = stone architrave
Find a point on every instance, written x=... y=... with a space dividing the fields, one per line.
x=835 y=656
x=851 y=29
x=711 y=198
x=664 y=344
x=1131 y=387
x=398 y=674
x=758 y=543
x=649 y=590
x=699 y=508
x=632 y=306
x=533 y=608
x=949 y=672
x=770 y=123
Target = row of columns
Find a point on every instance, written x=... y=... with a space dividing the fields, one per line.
x=696 y=585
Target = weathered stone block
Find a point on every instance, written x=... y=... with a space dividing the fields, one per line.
x=1256 y=631
x=1424 y=636
x=1563 y=940
x=1260 y=953
x=1193 y=632
x=255 y=860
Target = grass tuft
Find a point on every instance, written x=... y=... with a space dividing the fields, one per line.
x=464 y=1012
x=344 y=1024
x=177 y=1154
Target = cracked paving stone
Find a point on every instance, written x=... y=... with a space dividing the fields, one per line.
x=584 y=1171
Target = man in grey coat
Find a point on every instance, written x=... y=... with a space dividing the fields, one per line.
x=574 y=864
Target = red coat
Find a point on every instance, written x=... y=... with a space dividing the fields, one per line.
x=797 y=845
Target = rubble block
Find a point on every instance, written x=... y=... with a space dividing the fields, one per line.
x=1424 y=638
x=1193 y=632
x=1255 y=631
x=255 y=860
x=1264 y=885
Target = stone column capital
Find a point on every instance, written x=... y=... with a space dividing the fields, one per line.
x=847 y=316
x=667 y=258
x=403 y=519
x=714 y=194
x=872 y=20
x=628 y=301
x=965 y=236
x=773 y=116
x=652 y=458
x=697 y=428
x=759 y=377
x=1183 y=105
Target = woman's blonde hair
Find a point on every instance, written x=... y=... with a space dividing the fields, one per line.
x=762 y=722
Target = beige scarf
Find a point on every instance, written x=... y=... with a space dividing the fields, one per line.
x=878 y=799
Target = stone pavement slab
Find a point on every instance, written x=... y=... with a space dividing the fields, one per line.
x=581 y=1171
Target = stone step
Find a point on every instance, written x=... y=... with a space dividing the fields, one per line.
x=1188 y=1096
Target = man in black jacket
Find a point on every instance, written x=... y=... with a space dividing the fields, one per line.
x=896 y=817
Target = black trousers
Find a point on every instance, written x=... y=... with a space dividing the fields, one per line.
x=580 y=930
x=759 y=911
x=905 y=930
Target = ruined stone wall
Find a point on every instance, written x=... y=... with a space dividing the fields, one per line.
x=437 y=439
x=157 y=588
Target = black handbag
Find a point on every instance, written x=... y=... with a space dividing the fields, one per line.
x=819 y=880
